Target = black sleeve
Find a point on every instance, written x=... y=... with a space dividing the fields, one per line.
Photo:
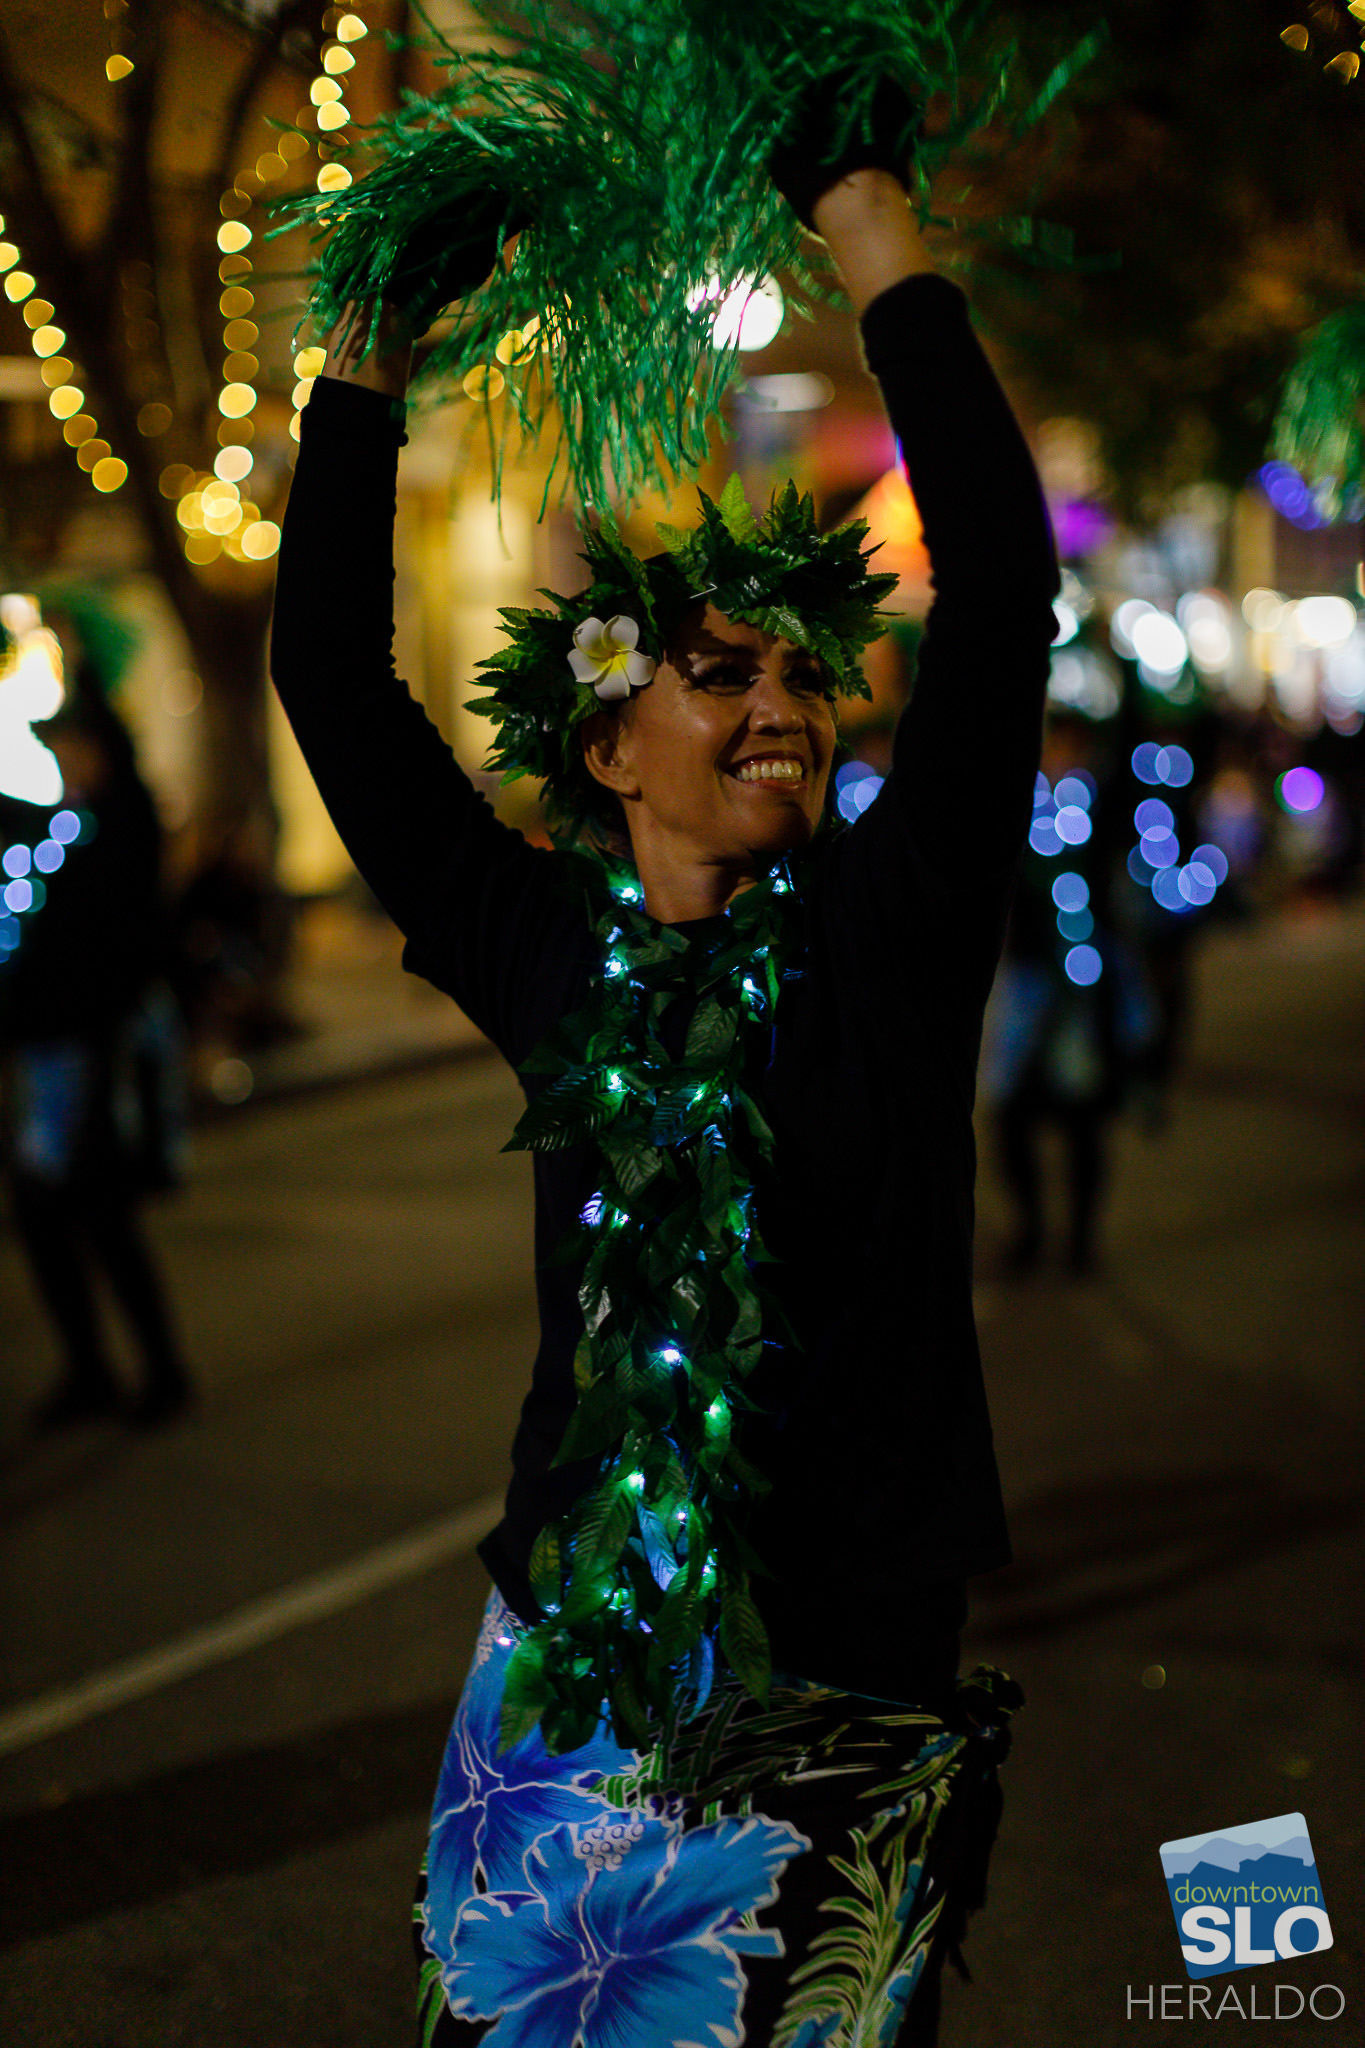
x=947 y=829
x=483 y=912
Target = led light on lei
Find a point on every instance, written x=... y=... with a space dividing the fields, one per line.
x=649 y=1571
x=608 y=656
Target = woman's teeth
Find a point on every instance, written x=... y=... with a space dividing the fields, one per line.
x=770 y=771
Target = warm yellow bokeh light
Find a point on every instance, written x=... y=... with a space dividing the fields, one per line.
x=47 y=340
x=202 y=547
x=241 y=334
x=233 y=267
x=1345 y=65
x=175 y=480
x=236 y=400
x=292 y=145
x=270 y=166
x=483 y=381
x=334 y=116
x=294 y=427
x=234 y=204
x=233 y=237
x=302 y=392
x=236 y=302
x=231 y=432
x=261 y=540
x=232 y=464
x=56 y=370
x=334 y=178
x=9 y=255
x=78 y=430
x=38 y=311
x=350 y=29
x=108 y=473
x=240 y=367
x=116 y=68
x=91 y=452
x=19 y=284
x=190 y=510
x=337 y=60
x=309 y=361
x=324 y=90
x=153 y=419
x=65 y=401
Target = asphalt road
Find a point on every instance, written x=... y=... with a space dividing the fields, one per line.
x=218 y=1848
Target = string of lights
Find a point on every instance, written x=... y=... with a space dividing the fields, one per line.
x=67 y=401
x=216 y=518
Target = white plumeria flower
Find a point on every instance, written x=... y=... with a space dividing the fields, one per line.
x=608 y=657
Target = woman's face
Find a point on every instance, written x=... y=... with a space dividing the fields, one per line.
x=723 y=758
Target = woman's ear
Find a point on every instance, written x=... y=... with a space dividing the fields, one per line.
x=607 y=758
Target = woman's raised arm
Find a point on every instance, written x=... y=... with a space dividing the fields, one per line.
x=473 y=900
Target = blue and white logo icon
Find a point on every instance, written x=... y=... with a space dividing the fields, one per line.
x=1246 y=1895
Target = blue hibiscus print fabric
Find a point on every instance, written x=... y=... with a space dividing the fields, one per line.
x=786 y=1876
x=622 y=1950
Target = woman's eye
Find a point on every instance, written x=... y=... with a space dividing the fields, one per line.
x=723 y=676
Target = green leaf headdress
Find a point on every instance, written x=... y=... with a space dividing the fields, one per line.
x=779 y=574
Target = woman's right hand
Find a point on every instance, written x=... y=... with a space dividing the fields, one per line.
x=386 y=366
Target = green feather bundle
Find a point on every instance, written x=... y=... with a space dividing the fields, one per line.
x=1320 y=426
x=632 y=138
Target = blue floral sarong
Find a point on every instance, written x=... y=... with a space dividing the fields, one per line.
x=788 y=1876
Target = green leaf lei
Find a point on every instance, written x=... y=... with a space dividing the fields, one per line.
x=651 y=1566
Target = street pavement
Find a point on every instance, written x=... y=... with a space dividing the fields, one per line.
x=279 y=1595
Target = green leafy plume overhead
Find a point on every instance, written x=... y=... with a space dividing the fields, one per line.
x=630 y=138
x=1320 y=426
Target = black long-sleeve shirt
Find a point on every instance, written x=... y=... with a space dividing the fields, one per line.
x=876 y=1435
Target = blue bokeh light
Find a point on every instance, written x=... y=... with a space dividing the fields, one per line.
x=1072 y=825
x=1043 y=837
x=1160 y=849
x=1070 y=891
x=1075 y=925
x=1167 y=891
x=1152 y=815
x=1083 y=966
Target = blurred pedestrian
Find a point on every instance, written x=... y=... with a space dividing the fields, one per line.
x=1072 y=1007
x=93 y=1116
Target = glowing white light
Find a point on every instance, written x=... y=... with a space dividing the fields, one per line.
x=1205 y=620
x=1122 y=624
x=30 y=689
x=792 y=391
x=1159 y=643
x=1068 y=625
x=1263 y=610
x=749 y=314
x=1323 y=621
x=1346 y=671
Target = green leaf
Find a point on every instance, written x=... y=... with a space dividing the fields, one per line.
x=744 y=1639
x=734 y=509
x=525 y=1691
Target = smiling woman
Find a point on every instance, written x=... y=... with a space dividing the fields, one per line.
x=713 y=1775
